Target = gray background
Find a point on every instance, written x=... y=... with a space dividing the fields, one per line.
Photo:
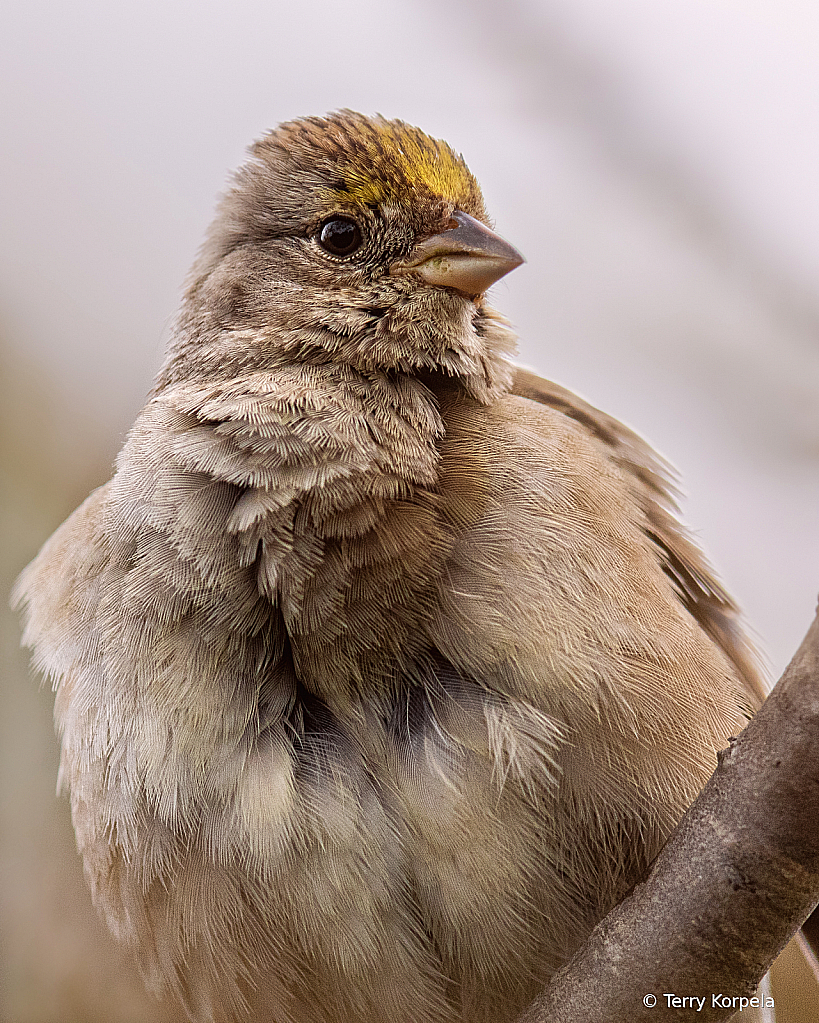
x=656 y=163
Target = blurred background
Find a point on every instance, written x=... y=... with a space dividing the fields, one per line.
x=656 y=163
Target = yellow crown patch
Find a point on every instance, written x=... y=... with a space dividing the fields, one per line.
x=377 y=160
x=400 y=157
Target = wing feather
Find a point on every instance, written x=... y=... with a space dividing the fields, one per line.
x=652 y=482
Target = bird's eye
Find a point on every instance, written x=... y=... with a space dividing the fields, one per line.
x=340 y=236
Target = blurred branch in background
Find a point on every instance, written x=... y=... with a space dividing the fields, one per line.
x=569 y=68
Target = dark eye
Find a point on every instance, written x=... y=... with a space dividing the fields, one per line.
x=340 y=236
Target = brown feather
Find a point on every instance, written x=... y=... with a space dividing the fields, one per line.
x=654 y=490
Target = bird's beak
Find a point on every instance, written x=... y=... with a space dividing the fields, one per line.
x=466 y=256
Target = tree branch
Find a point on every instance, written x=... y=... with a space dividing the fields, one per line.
x=737 y=878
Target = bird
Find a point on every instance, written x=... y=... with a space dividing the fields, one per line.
x=383 y=666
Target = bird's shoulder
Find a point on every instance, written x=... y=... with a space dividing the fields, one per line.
x=650 y=484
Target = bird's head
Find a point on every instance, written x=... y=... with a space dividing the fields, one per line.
x=355 y=240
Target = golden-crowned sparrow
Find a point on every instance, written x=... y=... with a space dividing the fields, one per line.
x=383 y=666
